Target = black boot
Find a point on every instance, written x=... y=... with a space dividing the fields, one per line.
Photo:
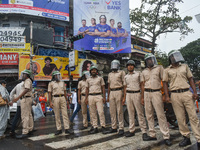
x=111 y=130
x=92 y=128
x=186 y=141
x=145 y=137
x=83 y=128
x=22 y=136
x=70 y=131
x=58 y=132
x=168 y=142
x=94 y=131
x=149 y=138
x=103 y=130
x=130 y=134
x=121 y=132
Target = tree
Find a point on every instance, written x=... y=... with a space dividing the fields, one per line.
x=156 y=17
x=191 y=54
x=162 y=58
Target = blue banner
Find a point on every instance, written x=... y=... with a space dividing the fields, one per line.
x=55 y=9
x=105 y=23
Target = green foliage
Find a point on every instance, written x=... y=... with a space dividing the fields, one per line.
x=156 y=17
x=191 y=54
x=162 y=58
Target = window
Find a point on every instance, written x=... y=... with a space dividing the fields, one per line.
x=6 y=25
x=59 y=34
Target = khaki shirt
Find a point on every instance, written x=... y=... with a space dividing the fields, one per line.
x=153 y=77
x=132 y=81
x=177 y=77
x=27 y=85
x=82 y=86
x=116 y=79
x=57 y=88
x=94 y=84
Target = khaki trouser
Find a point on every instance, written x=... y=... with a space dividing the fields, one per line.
x=26 y=115
x=133 y=101
x=153 y=100
x=96 y=104
x=59 y=104
x=84 y=111
x=181 y=102
x=116 y=106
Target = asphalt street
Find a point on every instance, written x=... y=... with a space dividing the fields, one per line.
x=44 y=138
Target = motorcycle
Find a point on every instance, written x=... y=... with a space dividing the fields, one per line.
x=169 y=113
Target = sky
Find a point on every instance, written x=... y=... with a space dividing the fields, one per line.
x=171 y=41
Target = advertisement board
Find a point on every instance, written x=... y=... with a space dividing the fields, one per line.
x=55 y=9
x=106 y=23
x=12 y=47
x=9 y=58
x=43 y=66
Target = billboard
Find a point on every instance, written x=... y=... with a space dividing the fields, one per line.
x=43 y=66
x=55 y=9
x=18 y=47
x=106 y=23
x=9 y=58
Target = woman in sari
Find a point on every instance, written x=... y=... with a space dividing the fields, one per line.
x=4 y=110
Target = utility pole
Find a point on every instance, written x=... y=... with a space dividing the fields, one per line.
x=31 y=42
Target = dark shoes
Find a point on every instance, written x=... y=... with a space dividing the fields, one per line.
x=111 y=130
x=130 y=134
x=22 y=136
x=186 y=141
x=198 y=144
x=148 y=138
x=31 y=132
x=92 y=128
x=12 y=134
x=145 y=137
x=121 y=132
x=69 y=131
x=95 y=130
x=83 y=128
x=103 y=130
x=168 y=142
x=58 y=132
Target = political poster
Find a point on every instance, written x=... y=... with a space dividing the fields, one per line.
x=105 y=23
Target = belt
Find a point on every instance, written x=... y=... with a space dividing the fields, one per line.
x=117 y=89
x=25 y=96
x=179 y=91
x=94 y=93
x=58 y=95
x=83 y=94
x=151 y=90
x=133 y=91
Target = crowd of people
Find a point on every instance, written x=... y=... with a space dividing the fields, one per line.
x=136 y=89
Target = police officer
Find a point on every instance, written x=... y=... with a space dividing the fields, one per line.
x=26 y=104
x=178 y=75
x=57 y=98
x=115 y=97
x=81 y=98
x=95 y=86
x=132 y=96
x=152 y=98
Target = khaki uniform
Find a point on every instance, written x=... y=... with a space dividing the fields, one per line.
x=96 y=101
x=26 y=107
x=59 y=103
x=178 y=79
x=153 y=100
x=116 y=80
x=133 y=101
x=82 y=86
